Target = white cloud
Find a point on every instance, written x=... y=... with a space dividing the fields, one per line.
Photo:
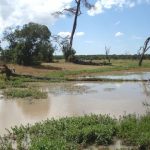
x=68 y=34
x=80 y=34
x=101 y=5
x=19 y=12
x=64 y=34
x=118 y=34
x=97 y=9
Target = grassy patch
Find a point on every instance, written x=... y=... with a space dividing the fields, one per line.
x=135 y=131
x=25 y=93
x=118 y=65
x=68 y=133
x=80 y=132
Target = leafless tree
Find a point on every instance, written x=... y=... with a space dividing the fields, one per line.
x=75 y=11
x=107 y=51
x=144 y=49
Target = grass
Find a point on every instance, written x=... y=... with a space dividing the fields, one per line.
x=118 y=65
x=20 y=87
x=25 y=93
x=81 y=132
x=135 y=131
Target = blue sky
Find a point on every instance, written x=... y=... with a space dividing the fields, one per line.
x=122 y=25
x=100 y=30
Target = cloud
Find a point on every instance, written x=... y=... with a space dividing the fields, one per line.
x=97 y=9
x=68 y=34
x=118 y=34
x=64 y=34
x=80 y=34
x=102 y=5
x=19 y=12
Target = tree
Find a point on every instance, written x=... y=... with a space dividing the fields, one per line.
x=107 y=51
x=76 y=11
x=63 y=43
x=69 y=54
x=29 y=44
x=144 y=49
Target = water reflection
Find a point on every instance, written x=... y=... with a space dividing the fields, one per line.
x=126 y=76
x=146 y=90
x=16 y=112
x=77 y=98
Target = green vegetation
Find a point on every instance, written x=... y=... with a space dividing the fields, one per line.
x=80 y=132
x=118 y=65
x=25 y=93
x=28 y=45
x=135 y=131
x=21 y=88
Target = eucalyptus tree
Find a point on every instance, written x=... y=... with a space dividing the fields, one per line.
x=75 y=10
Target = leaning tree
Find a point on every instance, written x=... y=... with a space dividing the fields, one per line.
x=144 y=49
x=75 y=10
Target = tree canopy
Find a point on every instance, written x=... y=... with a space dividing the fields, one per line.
x=28 y=44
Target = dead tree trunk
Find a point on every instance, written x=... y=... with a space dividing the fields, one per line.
x=5 y=70
x=144 y=50
x=75 y=23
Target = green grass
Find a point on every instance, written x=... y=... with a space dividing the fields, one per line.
x=135 y=131
x=25 y=93
x=117 y=65
x=81 y=132
x=20 y=87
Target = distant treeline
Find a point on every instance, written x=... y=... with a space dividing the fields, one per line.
x=99 y=57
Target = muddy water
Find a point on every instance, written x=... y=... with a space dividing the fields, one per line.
x=73 y=99
x=126 y=76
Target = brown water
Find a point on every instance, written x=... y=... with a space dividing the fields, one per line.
x=127 y=76
x=74 y=99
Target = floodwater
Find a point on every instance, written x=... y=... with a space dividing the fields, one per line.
x=74 y=99
x=127 y=76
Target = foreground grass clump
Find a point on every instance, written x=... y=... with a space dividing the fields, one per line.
x=135 y=131
x=25 y=93
x=80 y=132
x=66 y=133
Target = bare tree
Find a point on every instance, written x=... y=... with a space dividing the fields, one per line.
x=144 y=49
x=107 y=51
x=75 y=11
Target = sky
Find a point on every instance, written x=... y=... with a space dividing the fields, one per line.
x=122 y=25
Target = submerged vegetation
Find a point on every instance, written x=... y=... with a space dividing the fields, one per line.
x=21 y=88
x=80 y=132
x=25 y=93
